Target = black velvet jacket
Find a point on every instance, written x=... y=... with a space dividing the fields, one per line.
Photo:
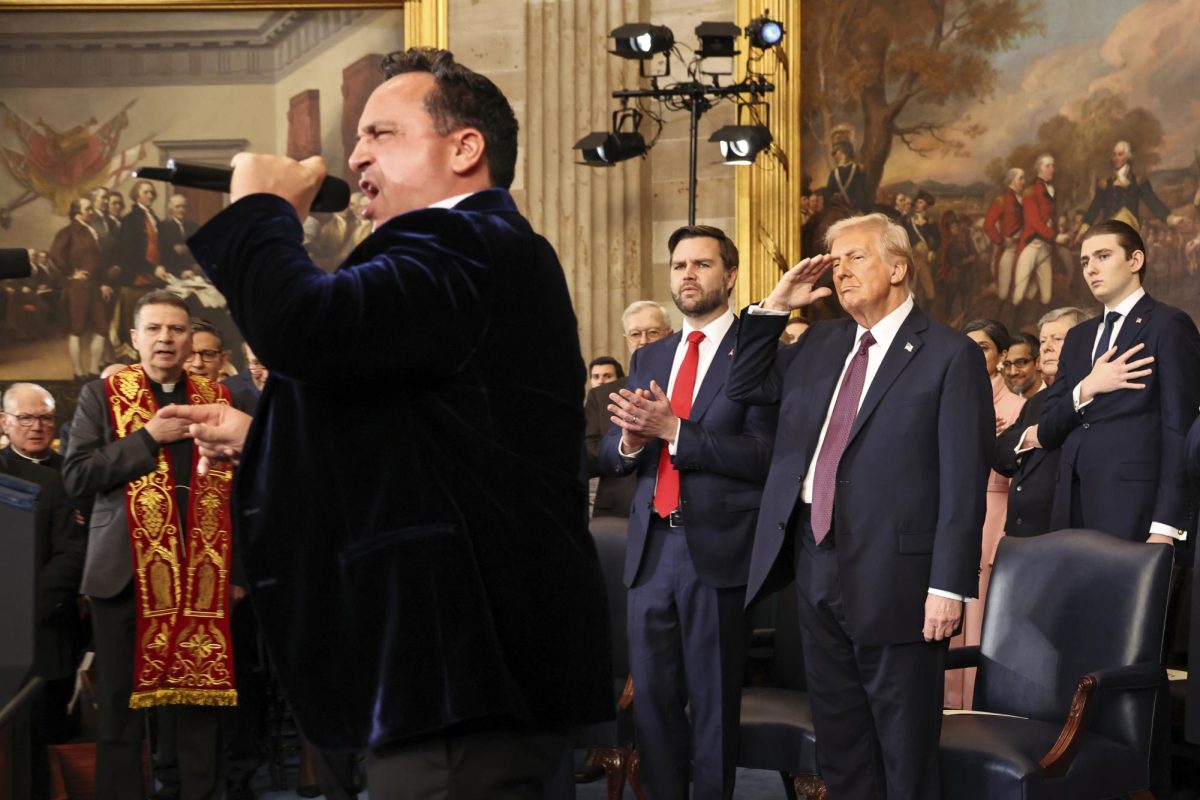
x=409 y=509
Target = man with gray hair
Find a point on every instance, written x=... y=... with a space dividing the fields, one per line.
x=1019 y=455
x=1003 y=225
x=644 y=321
x=874 y=501
x=1123 y=193
x=29 y=419
x=29 y=422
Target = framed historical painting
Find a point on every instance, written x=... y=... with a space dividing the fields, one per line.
x=985 y=125
x=90 y=92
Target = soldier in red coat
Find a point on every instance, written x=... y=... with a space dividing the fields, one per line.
x=1003 y=225
x=1035 y=250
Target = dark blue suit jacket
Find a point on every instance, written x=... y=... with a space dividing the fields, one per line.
x=1193 y=693
x=1127 y=447
x=409 y=505
x=724 y=450
x=1034 y=474
x=910 y=499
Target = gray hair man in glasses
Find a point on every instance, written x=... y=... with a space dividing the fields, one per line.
x=644 y=321
x=31 y=424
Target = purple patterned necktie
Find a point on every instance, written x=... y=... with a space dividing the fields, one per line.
x=845 y=409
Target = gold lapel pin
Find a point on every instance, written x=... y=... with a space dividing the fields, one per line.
x=1138 y=320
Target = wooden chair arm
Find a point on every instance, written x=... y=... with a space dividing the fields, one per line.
x=626 y=699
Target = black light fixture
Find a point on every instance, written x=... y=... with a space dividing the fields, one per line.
x=717 y=39
x=641 y=41
x=604 y=149
x=741 y=144
x=764 y=32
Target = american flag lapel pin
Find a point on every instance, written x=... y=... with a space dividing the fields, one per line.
x=908 y=346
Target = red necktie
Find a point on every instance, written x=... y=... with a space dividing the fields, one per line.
x=841 y=419
x=666 y=493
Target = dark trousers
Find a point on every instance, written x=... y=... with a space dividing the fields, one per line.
x=687 y=648
x=498 y=764
x=196 y=729
x=877 y=709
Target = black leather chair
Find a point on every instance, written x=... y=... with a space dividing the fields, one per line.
x=612 y=742
x=777 y=729
x=1071 y=653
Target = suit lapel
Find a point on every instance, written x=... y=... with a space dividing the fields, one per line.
x=1134 y=325
x=904 y=347
x=718 y=370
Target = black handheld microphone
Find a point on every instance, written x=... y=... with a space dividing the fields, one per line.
x=334 y=194
x=14 y=263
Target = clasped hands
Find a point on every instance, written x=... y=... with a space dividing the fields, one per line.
x=218 y=430
x=642 y=415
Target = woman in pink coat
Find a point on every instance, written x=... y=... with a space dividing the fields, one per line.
x=993 y=340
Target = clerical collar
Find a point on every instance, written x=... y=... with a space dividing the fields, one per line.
x=166 y=388
x=13 y=447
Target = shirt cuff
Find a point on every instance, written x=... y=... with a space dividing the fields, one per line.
x=1167 y=530
x=766 y=312
x=950 y=595
x=671 y=446
x=1019 y=449
x=1075 y=397
x=628 y=456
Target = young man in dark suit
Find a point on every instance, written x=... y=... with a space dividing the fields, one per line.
x=1127 y=392
x=874 y=502
x=701 y=460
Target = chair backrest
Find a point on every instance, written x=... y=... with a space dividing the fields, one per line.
x=610 y=534
x=1065 y=604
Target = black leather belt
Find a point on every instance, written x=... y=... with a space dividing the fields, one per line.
x=673 y=520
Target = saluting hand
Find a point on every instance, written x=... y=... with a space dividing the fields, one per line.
x=796 y=288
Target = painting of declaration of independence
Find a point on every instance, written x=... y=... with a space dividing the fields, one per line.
x=87 y=98
x=995 y=131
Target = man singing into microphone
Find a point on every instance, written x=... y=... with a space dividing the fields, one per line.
x=437 y=602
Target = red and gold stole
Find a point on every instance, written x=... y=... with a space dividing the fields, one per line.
x=184 y=652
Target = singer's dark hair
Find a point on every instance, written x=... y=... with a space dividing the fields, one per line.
x=464 y=99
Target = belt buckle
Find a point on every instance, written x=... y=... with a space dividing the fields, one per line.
x=675 y=519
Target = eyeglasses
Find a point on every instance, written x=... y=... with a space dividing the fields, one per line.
x=207 y=355
x=649 y=334
x=27 y=420
x=1019 y=363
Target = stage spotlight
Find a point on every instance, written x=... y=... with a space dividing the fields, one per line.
x=764 y=32
x=740 y=144
x=602 y=149
x=717 y=39
x=641 y=41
